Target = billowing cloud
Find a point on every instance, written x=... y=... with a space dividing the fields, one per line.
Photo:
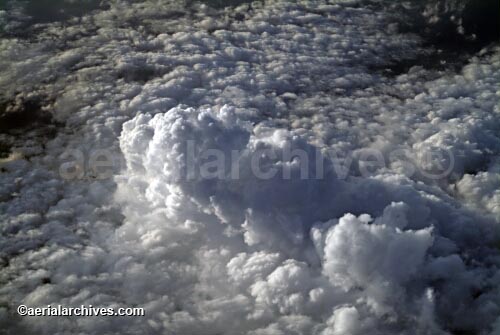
x=276 y=168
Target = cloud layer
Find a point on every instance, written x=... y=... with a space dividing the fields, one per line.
x=389 y=252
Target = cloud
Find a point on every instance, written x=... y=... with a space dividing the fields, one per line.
x=169 y=92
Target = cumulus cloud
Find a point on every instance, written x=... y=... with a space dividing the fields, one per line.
x=211 y=223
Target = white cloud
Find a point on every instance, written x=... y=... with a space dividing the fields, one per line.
x=251 y=255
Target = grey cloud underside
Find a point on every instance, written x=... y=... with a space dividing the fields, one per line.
x=382 y=254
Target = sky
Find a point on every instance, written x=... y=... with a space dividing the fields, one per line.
x=265 y=168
